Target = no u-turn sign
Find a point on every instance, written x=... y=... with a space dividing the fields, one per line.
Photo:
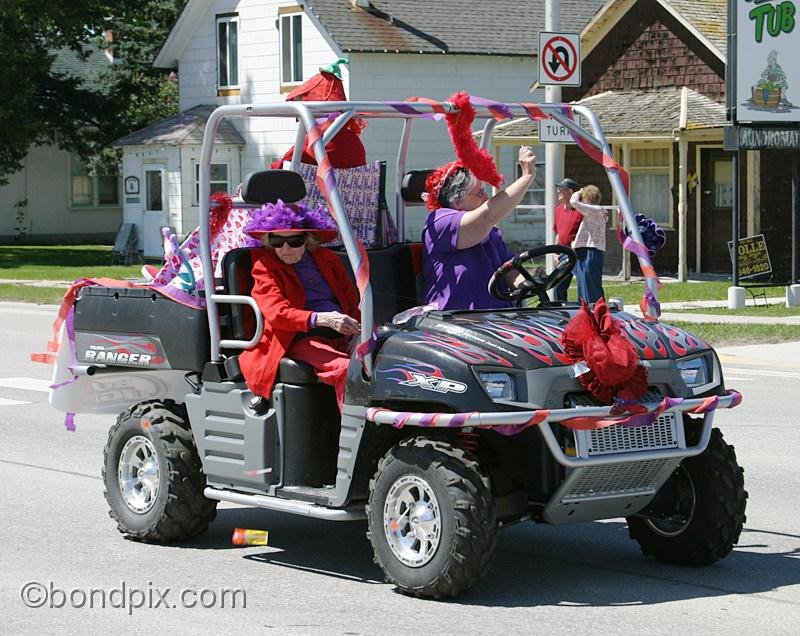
x=560 y=59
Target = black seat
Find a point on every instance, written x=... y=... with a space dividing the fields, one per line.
x=267 y=186
x=237 y=276
x=413 y=186
x=393 y=273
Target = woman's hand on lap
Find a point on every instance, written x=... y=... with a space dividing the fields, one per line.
x=342 y=323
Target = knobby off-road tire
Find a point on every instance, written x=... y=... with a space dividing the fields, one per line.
x=428 y=486
x=153 y=477
x=709 y=513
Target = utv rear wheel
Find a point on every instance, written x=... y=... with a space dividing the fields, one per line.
x=700 y=517
x=153 y=478
x=432 y=519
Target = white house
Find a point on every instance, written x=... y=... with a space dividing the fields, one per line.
x=246 y=51
x=58 y=197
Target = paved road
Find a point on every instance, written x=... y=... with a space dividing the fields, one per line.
x=318 y=577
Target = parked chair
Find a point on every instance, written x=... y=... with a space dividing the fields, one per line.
x=125 y=251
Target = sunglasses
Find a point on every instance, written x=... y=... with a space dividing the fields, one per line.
x=292 y=241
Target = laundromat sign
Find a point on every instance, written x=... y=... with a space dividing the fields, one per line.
x=765 y=84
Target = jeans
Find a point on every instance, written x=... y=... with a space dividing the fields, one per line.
x=560 y=290
x=589 y=272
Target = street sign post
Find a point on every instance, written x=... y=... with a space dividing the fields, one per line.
x=552 y=131
x=559 y=59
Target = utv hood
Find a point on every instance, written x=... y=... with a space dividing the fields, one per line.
x=531 y=338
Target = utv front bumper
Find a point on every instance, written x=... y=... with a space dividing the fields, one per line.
x=618 y=462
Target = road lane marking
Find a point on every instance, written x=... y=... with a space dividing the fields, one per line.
x=5 y=402
x=25 y=384
x=760 y=372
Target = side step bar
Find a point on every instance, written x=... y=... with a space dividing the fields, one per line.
x=354 y=513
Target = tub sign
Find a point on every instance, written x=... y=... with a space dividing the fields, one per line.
x=767 y=73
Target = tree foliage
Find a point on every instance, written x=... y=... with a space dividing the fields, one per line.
x=41 y=106
x=143 y=94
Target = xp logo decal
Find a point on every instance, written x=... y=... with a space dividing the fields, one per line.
x=429 y=383
x=425 y=377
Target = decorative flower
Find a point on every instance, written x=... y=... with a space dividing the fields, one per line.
x=614 y=368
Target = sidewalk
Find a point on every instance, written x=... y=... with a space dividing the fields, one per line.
x=722 y=317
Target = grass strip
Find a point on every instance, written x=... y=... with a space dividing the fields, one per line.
x=724 y=334
x=776 y=311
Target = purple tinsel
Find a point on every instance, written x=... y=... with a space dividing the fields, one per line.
x=289 y=216
x=653 y=236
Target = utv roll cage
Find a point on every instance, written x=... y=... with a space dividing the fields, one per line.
x=340 y=113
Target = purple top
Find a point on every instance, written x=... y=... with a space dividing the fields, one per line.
x=454 y=278
x=319 y=296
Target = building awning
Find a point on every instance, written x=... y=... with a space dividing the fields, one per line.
x=636 y=114
x=185 y=128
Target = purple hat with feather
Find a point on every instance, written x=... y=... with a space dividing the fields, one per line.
x=292 y=217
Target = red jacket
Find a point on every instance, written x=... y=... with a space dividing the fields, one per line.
x=281 y=298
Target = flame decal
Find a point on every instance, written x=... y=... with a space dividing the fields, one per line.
x=540 y=338
x=405 y=371
x=460 y=349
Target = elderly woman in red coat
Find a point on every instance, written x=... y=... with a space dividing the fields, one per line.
x=309 y=303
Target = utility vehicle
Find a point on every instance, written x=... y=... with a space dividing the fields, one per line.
x=455 y=423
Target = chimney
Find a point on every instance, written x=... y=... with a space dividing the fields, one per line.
x=108 y=35
x=359 y=4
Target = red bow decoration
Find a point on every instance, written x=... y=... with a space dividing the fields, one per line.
x=219 y=213
x=614 y=369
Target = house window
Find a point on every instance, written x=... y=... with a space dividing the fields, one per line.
x=218 y=181
x=90 y=191
x=291 y=27
x=228 y=51
x=651 y=176
x=535 y=194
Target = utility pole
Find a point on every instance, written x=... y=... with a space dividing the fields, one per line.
x=553 y=153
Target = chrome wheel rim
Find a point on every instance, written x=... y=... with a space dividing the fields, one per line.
x=412 y=521
x=676 y=523
x=138 y=474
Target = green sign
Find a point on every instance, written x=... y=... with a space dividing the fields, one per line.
x=753 y=256
x=765 y=73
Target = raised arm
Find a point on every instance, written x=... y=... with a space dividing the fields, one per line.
x=586 y=209
x=476 y=224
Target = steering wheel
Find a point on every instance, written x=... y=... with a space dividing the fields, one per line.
x=535 y=283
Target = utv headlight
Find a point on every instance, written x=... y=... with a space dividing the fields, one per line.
x=499 y=386
x=695 y=372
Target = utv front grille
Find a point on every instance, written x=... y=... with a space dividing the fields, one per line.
x=663 y=433
x=615 y=479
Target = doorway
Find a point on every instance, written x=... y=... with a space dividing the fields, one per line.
x=716 y=205
x=154 y=210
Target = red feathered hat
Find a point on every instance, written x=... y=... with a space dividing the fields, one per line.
x=470 y=156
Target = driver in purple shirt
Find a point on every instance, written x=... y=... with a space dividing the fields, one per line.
x=461 y=245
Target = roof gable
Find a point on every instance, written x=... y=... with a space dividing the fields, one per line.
x=90 y=70
x=706 y=21
x=181 y=33
x=645 y=46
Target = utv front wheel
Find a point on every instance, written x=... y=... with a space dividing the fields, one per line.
x=701 y=508
x=432 y=520
x=153 y=478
